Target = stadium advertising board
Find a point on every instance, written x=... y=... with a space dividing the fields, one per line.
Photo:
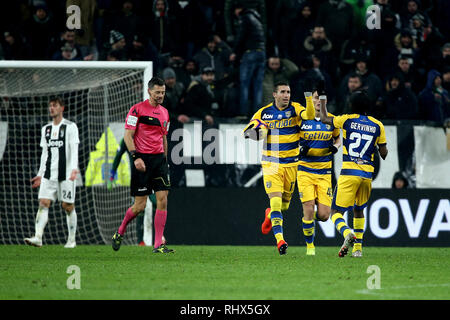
x=234 y=216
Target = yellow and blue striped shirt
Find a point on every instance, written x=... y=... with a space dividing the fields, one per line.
x=281 y=144
x=361 y=134
x=318 y=137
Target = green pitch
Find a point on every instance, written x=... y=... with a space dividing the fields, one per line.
x=222 y=272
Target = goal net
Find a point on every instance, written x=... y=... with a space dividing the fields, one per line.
x=98 y=95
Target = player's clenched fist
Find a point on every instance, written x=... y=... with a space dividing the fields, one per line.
x=139 y=164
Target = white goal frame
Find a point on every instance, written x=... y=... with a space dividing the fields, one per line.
x=147 y=66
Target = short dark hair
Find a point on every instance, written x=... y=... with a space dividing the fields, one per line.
x=155 y=81
x=360 y=102
x=355 y=75
x=280 y=83
x=58 y=100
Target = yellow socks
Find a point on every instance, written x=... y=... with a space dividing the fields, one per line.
x=340 y=224
x=358 y=227
x=308 y=232
x=276 y=218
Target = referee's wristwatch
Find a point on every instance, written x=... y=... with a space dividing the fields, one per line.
x=134 y=155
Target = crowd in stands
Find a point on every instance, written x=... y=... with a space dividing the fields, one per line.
x=221 y=58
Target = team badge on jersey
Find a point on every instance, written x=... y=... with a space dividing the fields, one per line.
x=268 y=184
x=288 y=114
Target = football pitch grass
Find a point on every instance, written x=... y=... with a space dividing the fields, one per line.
x=222 y=273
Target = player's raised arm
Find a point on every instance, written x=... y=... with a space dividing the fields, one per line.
x=324 y=117
x=310 y=112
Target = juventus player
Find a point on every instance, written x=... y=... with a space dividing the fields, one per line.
x=57 y=172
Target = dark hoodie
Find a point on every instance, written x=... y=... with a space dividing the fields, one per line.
x=163 y=29
x=399 y=175
x=434 y=102
x=401 y=103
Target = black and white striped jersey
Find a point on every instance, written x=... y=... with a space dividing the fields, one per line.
x=59 y=145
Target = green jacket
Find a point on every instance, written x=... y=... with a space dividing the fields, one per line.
x=287 y=71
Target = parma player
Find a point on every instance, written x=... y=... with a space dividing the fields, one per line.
x=318 y=143
x=57 y=172
x=362 y=134
x=146 y=129
x=280 y=155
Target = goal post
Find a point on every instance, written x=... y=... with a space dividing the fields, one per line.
x=98 y=95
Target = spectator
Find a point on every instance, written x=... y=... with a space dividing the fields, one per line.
x=400 y=103
x=185 y=71
x=434 y=103
x=383 y=40
x=399 y=181
x=200 y=100
x=354 y=47
x=406 y=45
x=127 y=22
x=305 y=80
x=444 y=57
x=277 y=70
x=370 y=81
x=384 y=4
x=174 y=92
x=301 y=29
x=317 y=42
x=67 y=38
x=353 y=83
x=196 y=19
x=446 y=78
x=320 y=46
x=85 y=36
x=250 y=50
x=329 y=87
x=282 y=28
x=143 y=50
x=411 y=8
x=39 y=30
x=410 y=75
x=117 y=45
x=431 y=47
x=163 y=28
x=14 y=47
x=68 y=53
x=215 y=55
x=336 y=16
x=232 y=21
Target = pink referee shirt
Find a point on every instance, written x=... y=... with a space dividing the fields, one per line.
x=150 y=123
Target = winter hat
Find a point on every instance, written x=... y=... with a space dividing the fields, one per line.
x=168 y=73
x=115 y=36
x=419 y=17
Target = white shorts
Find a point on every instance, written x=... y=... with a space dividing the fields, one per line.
x=64 y=191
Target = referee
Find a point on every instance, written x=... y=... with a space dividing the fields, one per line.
x=146 y=128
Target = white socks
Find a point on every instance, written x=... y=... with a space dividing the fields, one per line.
x=71 y=224
x=41 y=222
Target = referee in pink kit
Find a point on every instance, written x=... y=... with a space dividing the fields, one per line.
x=146 y=128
